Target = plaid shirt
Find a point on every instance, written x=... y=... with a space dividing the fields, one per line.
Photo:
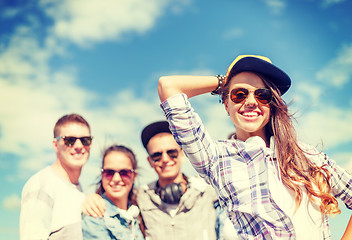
x=239 y=173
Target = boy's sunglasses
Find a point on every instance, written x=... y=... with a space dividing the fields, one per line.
x=125 y=174
x=70 y=141
x=173 y=153
x=262 y=95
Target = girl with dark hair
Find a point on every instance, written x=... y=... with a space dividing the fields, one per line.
x=272 y=185
x=121 y=219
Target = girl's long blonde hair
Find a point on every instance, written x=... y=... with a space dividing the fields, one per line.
x=295 y=167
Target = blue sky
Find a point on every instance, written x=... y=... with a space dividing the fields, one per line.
x=102 y=60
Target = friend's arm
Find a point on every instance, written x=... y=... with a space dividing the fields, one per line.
x=94 y=205
x=169 y=86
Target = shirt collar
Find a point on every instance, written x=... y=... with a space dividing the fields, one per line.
x=112 y=210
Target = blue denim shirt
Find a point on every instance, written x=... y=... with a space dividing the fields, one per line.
x=116 y=224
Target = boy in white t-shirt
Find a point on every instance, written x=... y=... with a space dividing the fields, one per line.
x=52 y=198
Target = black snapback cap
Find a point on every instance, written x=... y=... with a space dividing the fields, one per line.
x=153 y=129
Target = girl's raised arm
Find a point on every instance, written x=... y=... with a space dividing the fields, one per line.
x=189 y=85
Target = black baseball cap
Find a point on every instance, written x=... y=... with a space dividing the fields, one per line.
x=153 y=129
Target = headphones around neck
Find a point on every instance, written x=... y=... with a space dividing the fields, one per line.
x=171 y=193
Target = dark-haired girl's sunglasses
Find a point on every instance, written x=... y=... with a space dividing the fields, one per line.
x=173 y=153
x=125 y=174
x=262 y=95
x=70 y=141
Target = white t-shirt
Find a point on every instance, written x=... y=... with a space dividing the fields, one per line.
x=50 y=208
x=308 y=219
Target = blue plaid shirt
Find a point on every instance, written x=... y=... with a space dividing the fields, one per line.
x=239 y=173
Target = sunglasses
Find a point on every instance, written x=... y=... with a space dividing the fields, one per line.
x=125 y=174
x=173 y=153
x=70 y=141
x=262 y=95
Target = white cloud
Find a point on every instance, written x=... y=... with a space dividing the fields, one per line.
x=12 y=202
x=23 y=58
x=328 y=3
x=38 y=95
x=308 y=92
x=213 y=115
x=339 y=71
x=27 y=123
x=344 y=159
x=276 y=6
x=89 y=21
x=328 y=124
x=10 y=12
x=32 y=110
x=179 y=6
x=233 y=33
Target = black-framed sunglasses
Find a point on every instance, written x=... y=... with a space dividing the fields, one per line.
x=172 y=153
x=70 y=141
x=262 y=95
x=124 y=173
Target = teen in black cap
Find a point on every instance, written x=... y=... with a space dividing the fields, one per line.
x=175 y=201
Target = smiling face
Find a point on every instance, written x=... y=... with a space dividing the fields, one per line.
x=73 y=157
x=248 y=116
x=118 y=188
x=167 y=168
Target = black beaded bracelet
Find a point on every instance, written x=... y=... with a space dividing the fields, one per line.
x=221 y=79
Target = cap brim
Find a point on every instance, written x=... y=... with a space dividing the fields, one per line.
x=152 y=129
x=271 y=73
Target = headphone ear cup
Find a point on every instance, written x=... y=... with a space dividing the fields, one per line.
x=171 y=193
x=166 y=194
x=177 y=191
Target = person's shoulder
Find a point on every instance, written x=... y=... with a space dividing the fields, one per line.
x=111 y=208
x=88 y=220
x=41 y=173
x=96 y=220
x=39 y=184
x=314 y=153
x=146 y=187
x=310 y=150
x=145 y=192
x=47 y=181
x=198 y=183
x=203 y=190
x=39 y=178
